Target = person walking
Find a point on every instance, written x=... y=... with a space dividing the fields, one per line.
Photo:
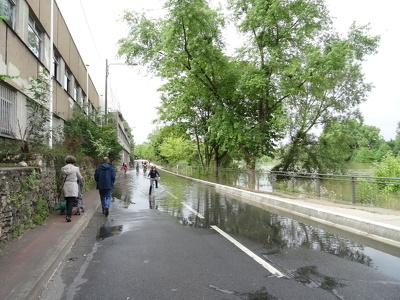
x=125 y=167
x=70 y=175
x=105 y=177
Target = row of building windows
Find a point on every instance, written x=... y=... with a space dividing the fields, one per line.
x=7 y=11
x=35 y=41
x=35 y=44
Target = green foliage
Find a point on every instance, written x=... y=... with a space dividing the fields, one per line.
x=144 y=151
x=367 y=193
x=185 y=49
x=41 y=211
x=157 y=137
x=37 y=131
x=17 y=230
x=176 y=149
x=390 y=168
x=292 y=74
x=395 y=144
x=4 y=77
x=84 y=136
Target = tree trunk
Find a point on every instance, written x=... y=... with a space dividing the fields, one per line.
x=216 y=164
x=251 y=170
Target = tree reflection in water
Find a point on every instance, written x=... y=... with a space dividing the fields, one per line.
x=274 y=232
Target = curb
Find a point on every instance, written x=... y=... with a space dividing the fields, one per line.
x=34 y=287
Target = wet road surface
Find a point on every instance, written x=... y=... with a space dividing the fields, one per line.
x=226 y=249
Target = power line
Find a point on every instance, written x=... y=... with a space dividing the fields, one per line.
x=90 y=32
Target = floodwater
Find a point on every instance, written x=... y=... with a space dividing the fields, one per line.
x=275 y=231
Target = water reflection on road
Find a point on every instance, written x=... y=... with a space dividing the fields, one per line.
x=273 y=231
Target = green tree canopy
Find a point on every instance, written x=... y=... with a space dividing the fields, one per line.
x=292 y=74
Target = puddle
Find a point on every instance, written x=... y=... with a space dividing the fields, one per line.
x=310 y=277
x=108 y=231
x=261 y=294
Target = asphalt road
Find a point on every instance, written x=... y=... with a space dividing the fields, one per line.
x=170 y=253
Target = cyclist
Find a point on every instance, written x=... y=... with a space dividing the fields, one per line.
x=153 y=176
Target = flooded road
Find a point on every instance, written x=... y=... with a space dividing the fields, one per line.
x=200 y=244
x=271 y=232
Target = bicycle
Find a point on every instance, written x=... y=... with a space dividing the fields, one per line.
x=152 y=194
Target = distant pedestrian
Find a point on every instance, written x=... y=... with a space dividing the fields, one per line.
x=105 y=178
x=125 y=167
x=70 y=175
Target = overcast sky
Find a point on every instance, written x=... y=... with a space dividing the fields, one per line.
x=95 y=28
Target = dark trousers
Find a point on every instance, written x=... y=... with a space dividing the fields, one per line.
x=70 y=204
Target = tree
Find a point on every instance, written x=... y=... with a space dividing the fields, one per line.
x=177 y=149
x=185 y=49
x=83 y=135
x=144 y=151
x=304 y=75
x=290 y=59
x=37 y=131
x=395 y=144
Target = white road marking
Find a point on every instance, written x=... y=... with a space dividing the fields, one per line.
x=249 y=253
x=188 y=207
x=172 y=195
x=258 y=259
x=193 y=211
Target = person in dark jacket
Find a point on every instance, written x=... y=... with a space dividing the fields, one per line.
x=105 y=177
x=153 y=176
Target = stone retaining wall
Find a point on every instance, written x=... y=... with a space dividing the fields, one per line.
x=20 y=190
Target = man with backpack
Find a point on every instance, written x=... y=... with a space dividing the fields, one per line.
x=105 y=177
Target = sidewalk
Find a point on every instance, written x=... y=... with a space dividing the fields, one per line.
x=28 y=263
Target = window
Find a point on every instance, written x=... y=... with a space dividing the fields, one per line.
x=85 y=105
x=7 y=11
x=56 y=67
x=81 y=98
x=75 y=96
x=7 y=110
x=34 y=37
x=67 y=81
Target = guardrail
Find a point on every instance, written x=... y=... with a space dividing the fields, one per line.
x=368 y=190
x=351 y=179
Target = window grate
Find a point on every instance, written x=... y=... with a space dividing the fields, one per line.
x=7 y=111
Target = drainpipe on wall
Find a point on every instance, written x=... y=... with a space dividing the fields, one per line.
x=51 y=79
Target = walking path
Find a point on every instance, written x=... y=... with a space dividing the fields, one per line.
x=28 y=263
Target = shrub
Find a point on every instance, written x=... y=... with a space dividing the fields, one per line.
x=390 y=168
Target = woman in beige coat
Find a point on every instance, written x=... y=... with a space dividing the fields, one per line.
x=70 y=175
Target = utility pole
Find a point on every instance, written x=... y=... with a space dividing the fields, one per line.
x=107 y=73
x=105 y=95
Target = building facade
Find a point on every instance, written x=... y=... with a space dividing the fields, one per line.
x=29 y=45
x=123 y=137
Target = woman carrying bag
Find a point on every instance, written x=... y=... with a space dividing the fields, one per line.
x=70 y=174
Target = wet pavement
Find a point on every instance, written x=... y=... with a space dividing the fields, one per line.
x=28 y=263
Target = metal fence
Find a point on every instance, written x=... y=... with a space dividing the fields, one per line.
x=360 y=189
